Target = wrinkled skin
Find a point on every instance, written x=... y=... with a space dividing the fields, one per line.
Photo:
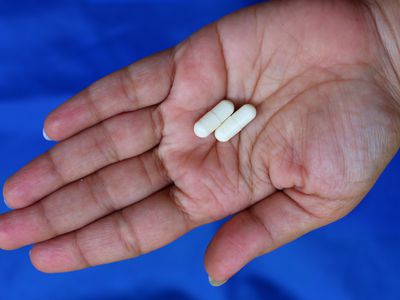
x=129 y=176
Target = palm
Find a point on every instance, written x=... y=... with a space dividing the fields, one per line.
x=315 y=131
x=325 y=154
x=317 y=145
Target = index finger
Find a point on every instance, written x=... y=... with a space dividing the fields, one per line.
x=142 y=84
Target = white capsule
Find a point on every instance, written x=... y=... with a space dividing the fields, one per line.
x=213 y=119
x=235 y=123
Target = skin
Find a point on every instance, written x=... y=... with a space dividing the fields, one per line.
x=129 y=176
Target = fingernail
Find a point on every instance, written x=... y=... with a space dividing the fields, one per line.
x=4 y=198
x=46 y=137
x=6 y=204
x=215 y=283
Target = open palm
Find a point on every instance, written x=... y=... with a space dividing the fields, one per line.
x=130 y=176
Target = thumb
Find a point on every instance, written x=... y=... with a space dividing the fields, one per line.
x=265 y=226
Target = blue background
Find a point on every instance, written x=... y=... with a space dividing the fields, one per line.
x=50 y=50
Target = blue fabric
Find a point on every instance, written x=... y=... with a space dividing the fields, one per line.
x=50 y=50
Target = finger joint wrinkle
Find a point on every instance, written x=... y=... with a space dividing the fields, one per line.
x=97 y=180
x=56 y=168
x=127 y=235
x=82 y=256
x=110 y=150
x=129 y=88
x=269 y=238
x=181 y=208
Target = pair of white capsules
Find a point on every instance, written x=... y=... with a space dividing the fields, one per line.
x=224 y=122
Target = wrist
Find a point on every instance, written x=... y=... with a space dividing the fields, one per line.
x=386 y=18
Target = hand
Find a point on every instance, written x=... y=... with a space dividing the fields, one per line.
x=129 y=176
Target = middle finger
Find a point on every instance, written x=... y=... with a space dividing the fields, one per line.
x=84 y=201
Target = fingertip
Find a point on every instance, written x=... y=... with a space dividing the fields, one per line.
x=54 y=126
x=8 y=194
x=56 y=255
x=215 y=283
x=51 y=127
x=6 y=243
x=7 y=204
x=234 y=245
x=13 y=195
x=36 y=262
x=4 y=192
x=215 y=266
x=43 y=259
x=46 y=137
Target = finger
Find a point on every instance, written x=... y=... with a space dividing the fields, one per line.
x=267 y=225
x=145 y=83
x=113 y=140
x=83 y=202
x=138 y=229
